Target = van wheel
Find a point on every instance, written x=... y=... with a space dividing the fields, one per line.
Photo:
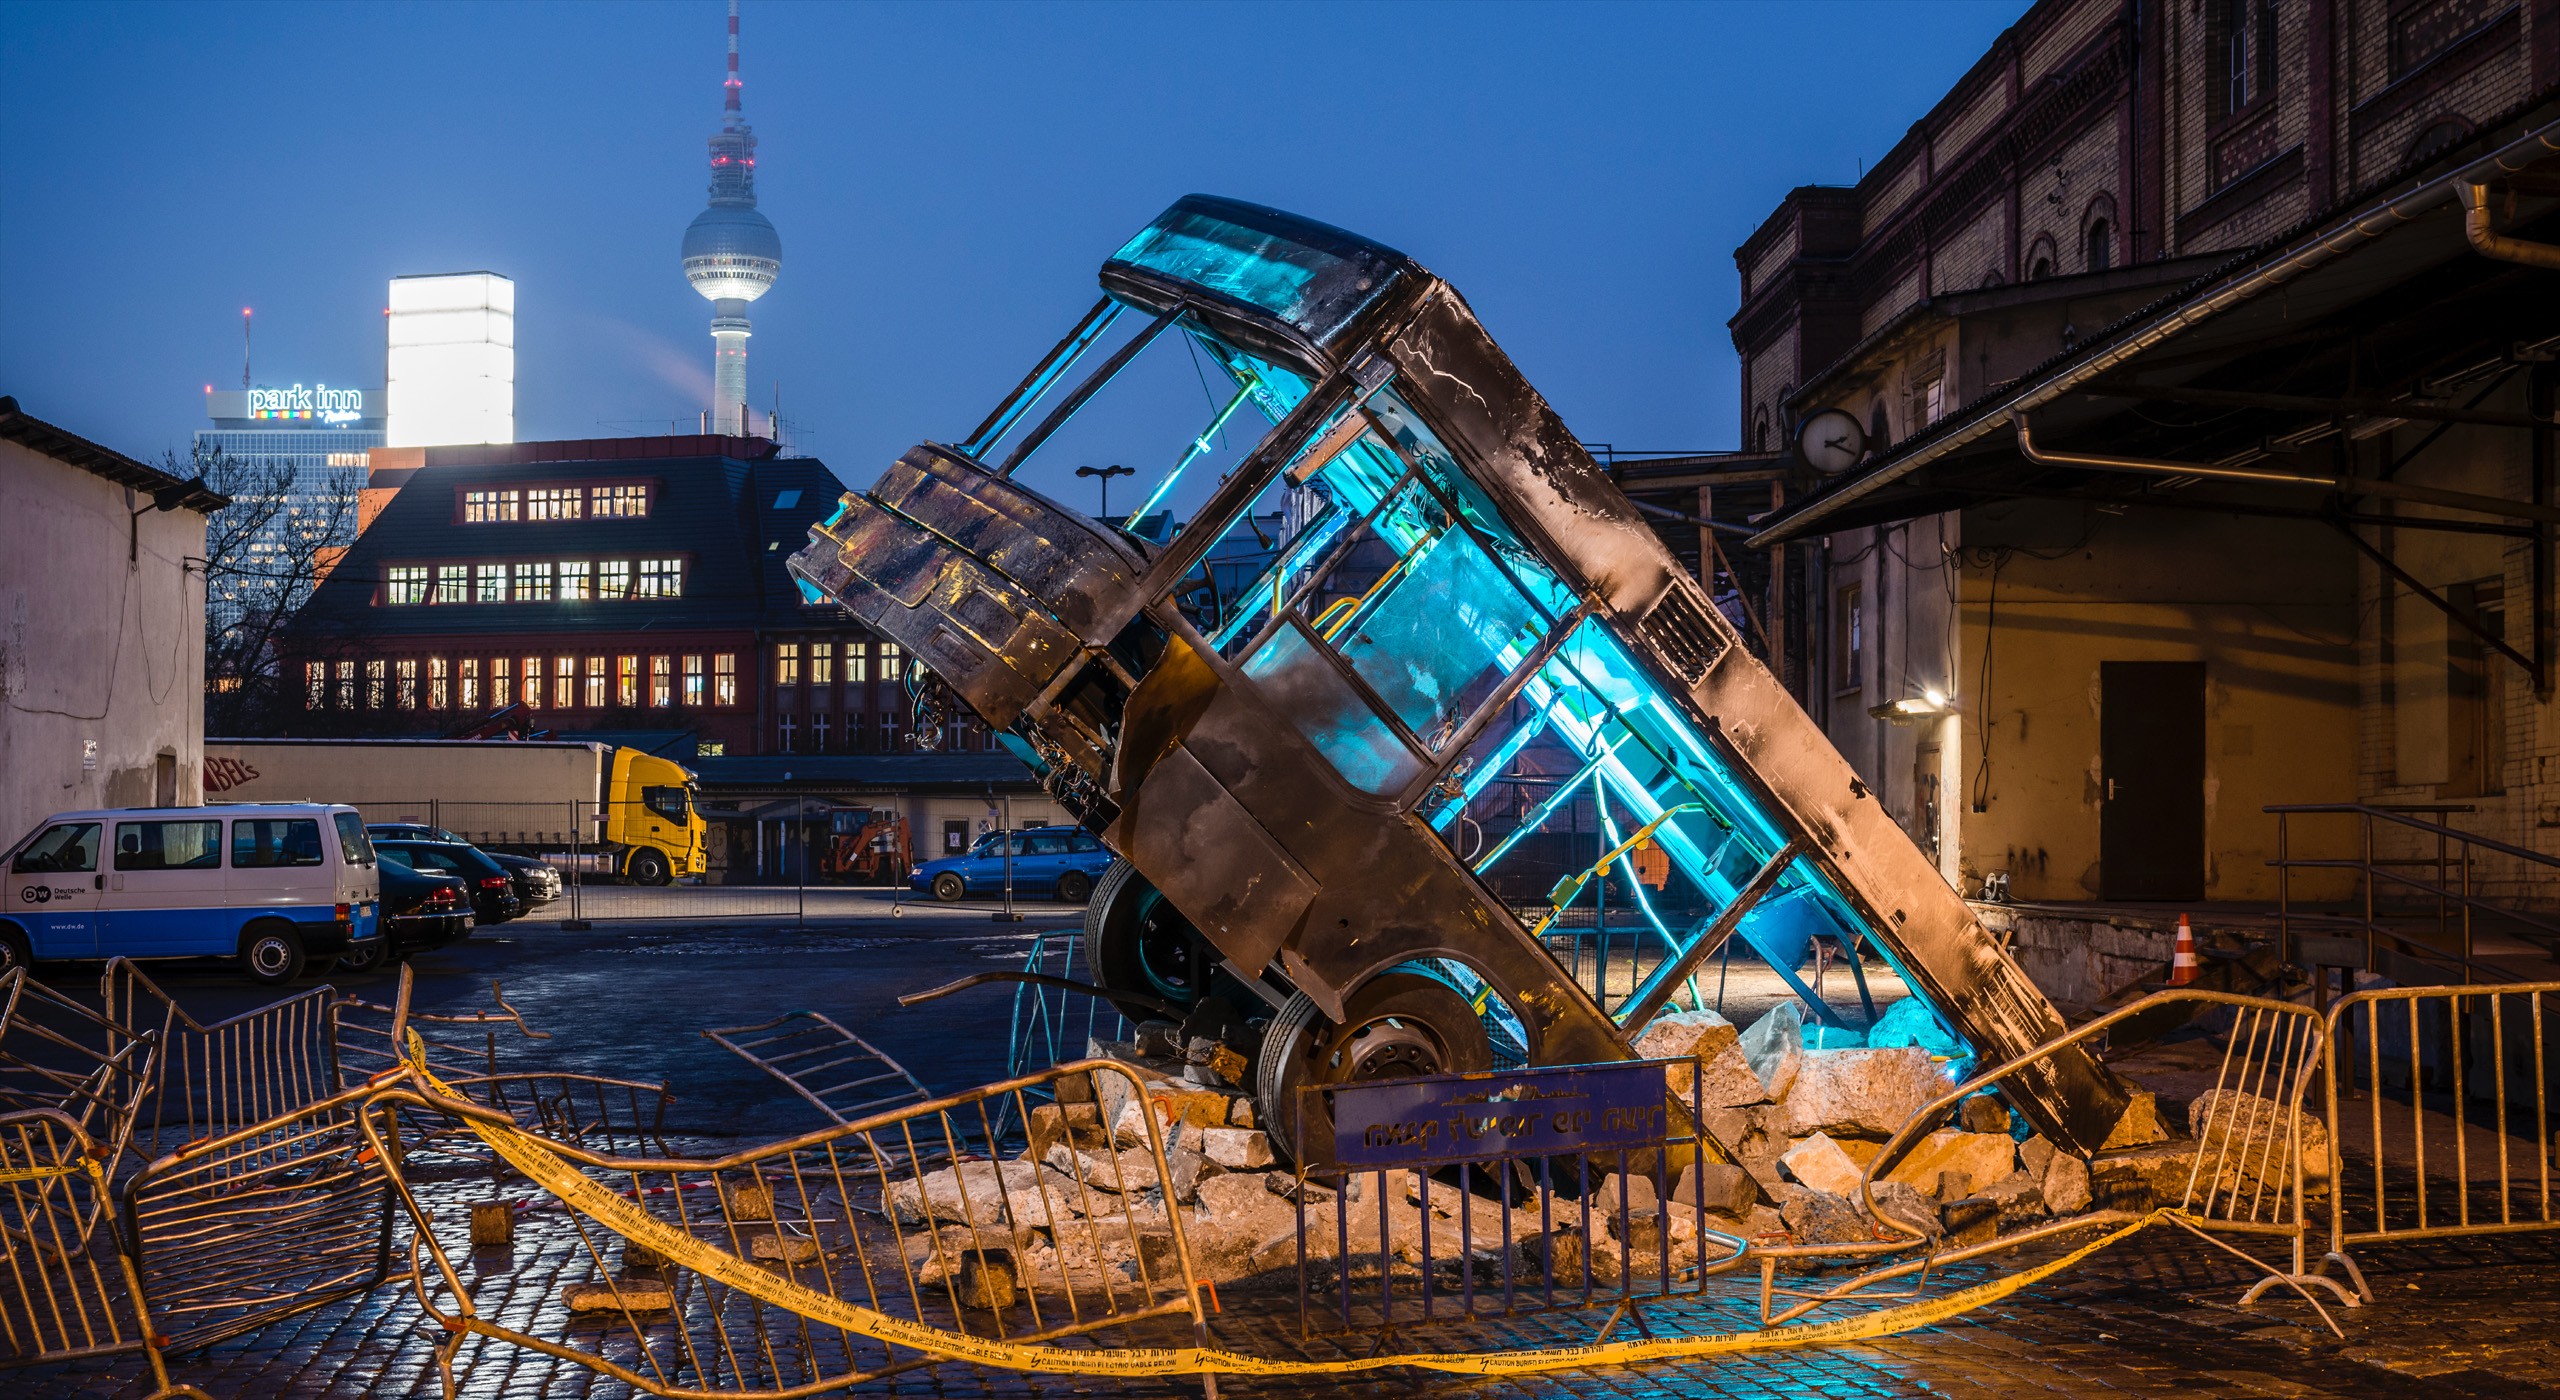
x=271 y=953
x=13 y=951
x=948 y=887
x=649 y=868
x=1075 y=887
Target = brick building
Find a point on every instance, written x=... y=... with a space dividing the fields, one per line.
x=620 y=584
x=2182 y=442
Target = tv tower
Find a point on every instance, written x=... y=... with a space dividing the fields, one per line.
x=731 y=253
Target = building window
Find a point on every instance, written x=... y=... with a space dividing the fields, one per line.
x=857 y=730
x=857 y=662
x=469 y=666
x=533 y=583
x=620 y=502
x=2241 y=34
x=453 y=583
x=661 y=578
x=439 y=684
x=613 y=579
x=724 y=678
x=490 y=507
x=626 y=681
x=489 y=583
x=693 y=682
x=1933 y=401
x=502 y=682
x=786 y=663
x=2039 y=259
x=1849 y=640
x=346 y=685
x=533 y=682
x=2101 y=241
x=818 y=733
x=888 y=730
x=564 y=682
x=595 y=683
x=577 y=581
x=404 y=683
x=405 y=584
x=554 y=503
x=891 y=668
x=822 y=663
x=315 y=685
x=662 y=681
x=786 y=729
x=373 y=686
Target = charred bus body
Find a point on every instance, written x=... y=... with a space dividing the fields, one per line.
x=1464 y=636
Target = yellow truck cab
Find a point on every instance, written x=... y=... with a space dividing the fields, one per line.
x=652 y=815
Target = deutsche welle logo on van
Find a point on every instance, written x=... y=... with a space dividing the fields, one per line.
x=320 y=402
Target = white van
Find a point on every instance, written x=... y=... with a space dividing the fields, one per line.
x=272 y=884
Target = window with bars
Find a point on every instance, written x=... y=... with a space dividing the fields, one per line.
x=489 y=583
x=822 y=663
x=533 y=583
x=724 y=678
x=595 y=683
x=439 y=684
x=619 y=502
x=491 y=507
x=661 y=578
x=554 y=502
x=577 y=581
x=404 y=683
x=453 y=583
x=693 y=681
x=626 y=681
x=469 y=669
x=786 y=663
x=662 y=681
x=564 y=682
x=404 y=584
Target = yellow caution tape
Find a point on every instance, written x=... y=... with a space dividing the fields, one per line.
x=531 y=1156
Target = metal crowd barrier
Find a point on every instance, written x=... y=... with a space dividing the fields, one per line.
x=261 y=1064
x=58 y=1055
x=740 y=1275
x=2454 y=1133
x=845 y=1076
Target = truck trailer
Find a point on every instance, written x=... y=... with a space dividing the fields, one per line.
x=593 y=805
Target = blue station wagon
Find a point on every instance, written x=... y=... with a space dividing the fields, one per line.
x=1061 y=862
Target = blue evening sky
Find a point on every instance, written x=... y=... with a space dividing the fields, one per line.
x=945 y=178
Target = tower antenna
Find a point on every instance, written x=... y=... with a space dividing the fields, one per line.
x=244 y=347
x=729 y=90
x=731 y=253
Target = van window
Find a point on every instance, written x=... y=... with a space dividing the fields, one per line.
x=353 y=847
x=62 y=850
x=188 y=845
x=274 y=841
x=667 y=802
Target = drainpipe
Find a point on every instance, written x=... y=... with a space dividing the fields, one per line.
x=2475 y=227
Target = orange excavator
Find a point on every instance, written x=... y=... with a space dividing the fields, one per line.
x=867 y=846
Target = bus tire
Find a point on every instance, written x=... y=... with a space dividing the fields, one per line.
x=271 y=952
x=648 y=867
x=13 y=950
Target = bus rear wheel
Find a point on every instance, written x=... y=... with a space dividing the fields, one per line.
x=1395 y=1026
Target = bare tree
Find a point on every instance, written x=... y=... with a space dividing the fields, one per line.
x=265 y=553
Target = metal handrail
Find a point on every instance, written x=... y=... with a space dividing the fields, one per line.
x=2451 y=889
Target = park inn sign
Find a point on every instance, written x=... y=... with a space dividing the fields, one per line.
x=318 y=402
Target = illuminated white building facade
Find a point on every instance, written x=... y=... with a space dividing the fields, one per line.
x=451 y=360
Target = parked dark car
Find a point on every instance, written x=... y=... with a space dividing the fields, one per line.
x=1063 y=862
x=536 y=882
x=421 y=909
x=493 y=890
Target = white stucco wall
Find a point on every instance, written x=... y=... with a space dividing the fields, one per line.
x=94 y=649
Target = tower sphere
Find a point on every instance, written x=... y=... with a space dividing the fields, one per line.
x=731 y=253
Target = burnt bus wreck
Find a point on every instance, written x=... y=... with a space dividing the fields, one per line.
x=1462 y=641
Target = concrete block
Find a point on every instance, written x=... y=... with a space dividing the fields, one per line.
x=1818 y=1163
x=1864 y=1092
x=1236 y=1149
x=1981 y=1157
x=1774 y=1047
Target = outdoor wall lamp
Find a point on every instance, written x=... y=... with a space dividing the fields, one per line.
x=166 y=498
x=1911 y=709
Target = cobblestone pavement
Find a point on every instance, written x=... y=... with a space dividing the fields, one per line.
x=2155 y=1315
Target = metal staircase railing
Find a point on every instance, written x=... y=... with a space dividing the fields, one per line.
x=2397 y=893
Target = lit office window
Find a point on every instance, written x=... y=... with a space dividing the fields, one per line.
x=554 y=503
x=533 y=682
x=822 y=663
x=595 y=683
x=490 y=507
x=439 y=684
x=626 y=681
x=488 y=583
x=724 y=678
x=662 y=681
x=661 y=578
x=315 y=685
x=470 y=677
x=346 y=685
x=373 y=687
x=453 y=583
x=404 y=683
x=502 y=682
x=613 y=579
x=564 y=682
x=786 y=663
x=620 y=502
x=577 y=581
x=405 y=584
x=693 y=682
x=533 y=584
x=857 y=662
x=891 y=666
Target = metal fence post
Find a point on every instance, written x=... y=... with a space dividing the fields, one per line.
x=577 y=877
x=1008 y=914
x=800 y=863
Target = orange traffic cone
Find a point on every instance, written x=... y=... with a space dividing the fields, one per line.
x=2182 y=961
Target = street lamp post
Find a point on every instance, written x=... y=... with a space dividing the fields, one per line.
x=1106 y=473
